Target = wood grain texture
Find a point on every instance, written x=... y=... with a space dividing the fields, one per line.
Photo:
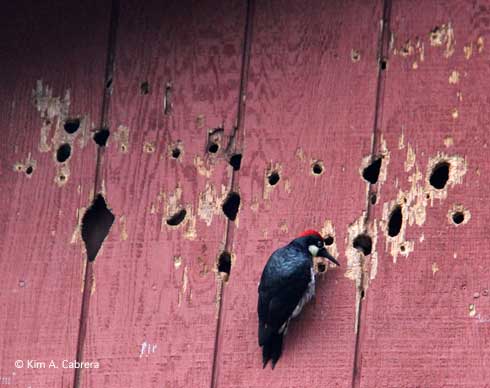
x=307 y=101
x=426 y=316
x=51 y=69
x=153 y=314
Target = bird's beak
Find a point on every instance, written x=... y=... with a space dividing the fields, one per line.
x=324 y=253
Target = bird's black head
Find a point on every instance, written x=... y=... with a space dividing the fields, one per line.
x=315 y=244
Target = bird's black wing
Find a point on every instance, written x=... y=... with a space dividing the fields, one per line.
x=283 y=283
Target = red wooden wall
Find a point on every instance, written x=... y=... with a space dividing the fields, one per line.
x=290 y=85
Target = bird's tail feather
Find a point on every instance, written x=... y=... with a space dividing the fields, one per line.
x=272 y=349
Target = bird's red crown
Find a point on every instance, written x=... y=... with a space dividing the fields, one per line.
x=310 y=232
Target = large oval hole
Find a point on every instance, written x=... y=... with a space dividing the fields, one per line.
x=439 y=175
x=395 y=221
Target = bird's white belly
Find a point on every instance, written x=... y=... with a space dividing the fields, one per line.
x=309 y=293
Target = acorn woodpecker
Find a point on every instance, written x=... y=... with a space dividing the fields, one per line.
x=286 y=285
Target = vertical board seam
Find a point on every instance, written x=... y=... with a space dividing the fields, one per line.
x=103 y=123
x=236 y=142
x=382 y=55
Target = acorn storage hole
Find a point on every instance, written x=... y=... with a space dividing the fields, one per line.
x=96 y=223
x=363 y=243
x=321 y=267
x=224 y=265
x=231 y=205
x=177 y=218
x=273 y=178
x=236 y=161
x=440 y=175
x=29 y=170
x=317 y=168
x=176 y=152
x=458 y=217
x=395 y=221
x=101 y=136
x=328 y=240
x=371 y=172
x=145 y=88
x=63 y=152
x=71 y=125
x=213 y=148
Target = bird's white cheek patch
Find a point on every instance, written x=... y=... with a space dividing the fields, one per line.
x=313 y=250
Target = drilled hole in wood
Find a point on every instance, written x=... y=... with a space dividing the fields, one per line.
x=322 y=267
x=363 y=243
x=29 y=170
x=72 y=125
x=101 y=136
x=224 y=265
x=213 y=148
x=371 y=172
x=145 y=88
x=63 y=152
x=236 y=161
x=395 y=221
x=96 y=223
x=328 y=240
x=176 y=152
x=440 y=175
x=273 y=178
x=383 y=63
x=177 y=218
x=231 y=205
x=374 y=198
x=317 y=168
x=458 y=217
x=167 y=99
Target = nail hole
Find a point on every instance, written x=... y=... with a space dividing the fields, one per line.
x=373 y=198
x=440 y=175
x=383 y=64
x=371 y=172
x=213 y=148
x=29 y=170
x=145 y=88
x=231 y=205
x=72 y=125
x=321 y=267
x=395 y=221
x=167 y=99
x=63 y=153
x=328 y=240
x=176 y=153
x=101 y=136
x=317 y=168
x=363 y=243
x=96 y=223
x=224 y=265
x=177 y=218
x=273 y=178
x=236 y=161
x=458 y=217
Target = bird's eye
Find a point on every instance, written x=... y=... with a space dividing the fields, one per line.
x=319 y=244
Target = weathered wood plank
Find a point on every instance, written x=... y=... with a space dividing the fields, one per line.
x=311 y=98
x=426 y=316
x=51 y=69
x=154 y=311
